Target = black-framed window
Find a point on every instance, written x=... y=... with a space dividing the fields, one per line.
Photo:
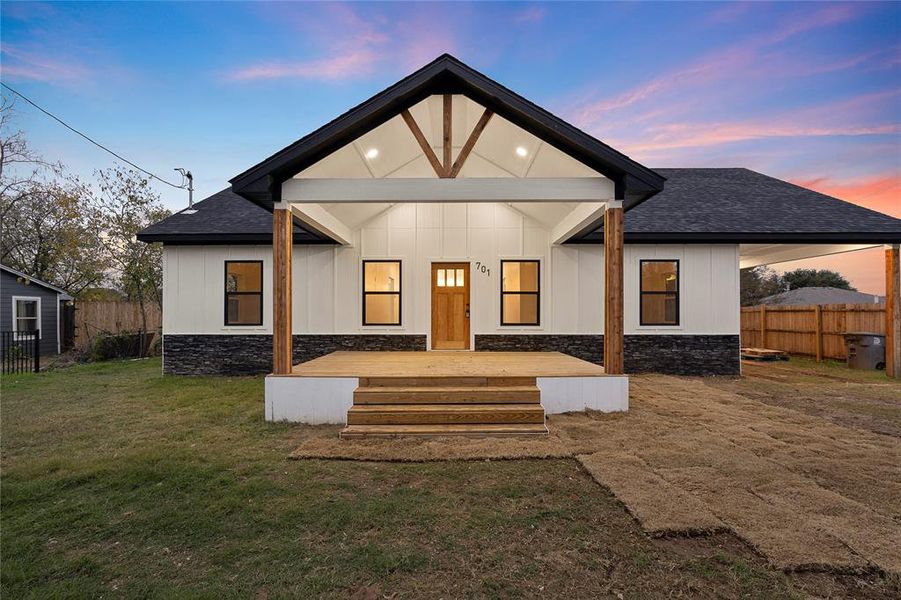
x=659 y=292
x=520 y=292
x=381 y=292
x=243 y=292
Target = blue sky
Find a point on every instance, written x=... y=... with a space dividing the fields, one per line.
x=808 y=92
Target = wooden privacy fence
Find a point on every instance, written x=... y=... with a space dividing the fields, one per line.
x=817 y=330
x=92 y=318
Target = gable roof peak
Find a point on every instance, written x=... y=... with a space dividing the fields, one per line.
x=446 y=75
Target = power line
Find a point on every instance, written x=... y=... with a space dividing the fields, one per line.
x=88 y=138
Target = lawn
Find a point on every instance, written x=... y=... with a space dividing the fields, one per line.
x=119 y=482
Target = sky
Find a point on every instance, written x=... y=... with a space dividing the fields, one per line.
x=808 y=92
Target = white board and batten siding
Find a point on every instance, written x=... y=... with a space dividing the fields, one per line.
x=327 y=279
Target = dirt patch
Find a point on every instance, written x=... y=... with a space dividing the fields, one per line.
x=809 y=492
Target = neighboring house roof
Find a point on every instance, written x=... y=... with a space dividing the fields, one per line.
x=224 y=217
x=822 y=295
x=36 y=281
x=739 y=205
x=696 y=206
x=446 y=75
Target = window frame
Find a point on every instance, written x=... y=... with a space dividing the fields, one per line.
x=15 y=314
x=642 y=292
x=537 y=293
x=398 y=293
x=227 y=293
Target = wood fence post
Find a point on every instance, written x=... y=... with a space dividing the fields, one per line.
x=818 y=331
x=763 y=325
x=892 y=312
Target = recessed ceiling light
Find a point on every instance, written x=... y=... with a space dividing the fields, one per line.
x=521 y=151
x=372 y=153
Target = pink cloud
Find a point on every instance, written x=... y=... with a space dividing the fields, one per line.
x=731 y=63
x=367 y=42
x=880 y=192
x=846 y=117
x=334 y=68
x=19 y=63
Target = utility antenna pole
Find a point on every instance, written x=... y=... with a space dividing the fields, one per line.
x=188 y=182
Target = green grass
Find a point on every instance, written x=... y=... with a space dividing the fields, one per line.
x=117 y=481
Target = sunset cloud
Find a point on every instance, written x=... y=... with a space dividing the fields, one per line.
x=335 y=68
x=880 y=192
x=732 y=63
x=367 y=44
x=19 y=63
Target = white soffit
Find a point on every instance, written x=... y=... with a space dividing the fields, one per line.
x=502 y=150
x=755 y=255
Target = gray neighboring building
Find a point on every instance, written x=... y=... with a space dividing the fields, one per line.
x=822 y=295
x=27 y=304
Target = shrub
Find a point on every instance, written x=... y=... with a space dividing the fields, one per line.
x=124 y=344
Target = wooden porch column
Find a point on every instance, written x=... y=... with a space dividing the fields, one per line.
x=613 y=287
x=282 y=251
x=892 y=312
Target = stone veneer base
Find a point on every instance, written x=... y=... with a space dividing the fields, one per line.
x=670 y=354
x=197 y=354
x=211 y=354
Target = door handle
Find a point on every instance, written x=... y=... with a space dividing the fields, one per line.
x=467 y=311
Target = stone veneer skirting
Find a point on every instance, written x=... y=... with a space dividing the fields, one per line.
x=197 y=354
x=670 y=354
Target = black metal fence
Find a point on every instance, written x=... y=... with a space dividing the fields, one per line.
x=20 y=351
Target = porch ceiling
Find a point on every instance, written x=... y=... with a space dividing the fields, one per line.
x=755 y=255
x=501 y=150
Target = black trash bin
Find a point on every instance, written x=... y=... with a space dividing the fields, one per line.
x=865 y=350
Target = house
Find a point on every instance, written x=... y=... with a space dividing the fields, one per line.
x=821 y=295
x=30 y=305
x=448 y=213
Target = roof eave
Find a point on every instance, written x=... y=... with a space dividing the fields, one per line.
x=597 y=237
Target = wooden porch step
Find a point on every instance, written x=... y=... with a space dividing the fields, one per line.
x=419 y=394
x=472 y=430
x=431 y=414
x=463 y=381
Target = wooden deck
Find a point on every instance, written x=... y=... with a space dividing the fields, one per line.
x=445 y=393
x=452 y=364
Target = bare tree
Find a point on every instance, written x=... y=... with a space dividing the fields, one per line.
x=46 y=222
x=125 y=205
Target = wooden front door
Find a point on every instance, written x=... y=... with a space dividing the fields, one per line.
x=450 y=306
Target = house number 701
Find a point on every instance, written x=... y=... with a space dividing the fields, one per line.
x=482 y=268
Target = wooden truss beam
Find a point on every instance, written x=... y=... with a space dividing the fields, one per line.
x=423 y=144
x=470 y=143
x=448 y=147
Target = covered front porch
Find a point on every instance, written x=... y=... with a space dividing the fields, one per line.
x=442 y=392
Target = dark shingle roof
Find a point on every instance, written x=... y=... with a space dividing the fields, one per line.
x=696 y=206
x=821 y=295
x=735 y=204
x=224 y=217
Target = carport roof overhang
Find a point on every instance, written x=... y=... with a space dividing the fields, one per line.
x=447 y=75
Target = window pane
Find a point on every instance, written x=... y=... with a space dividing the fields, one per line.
x=382 y=309
x=450 y=278
x=244 y=277
x=520 y=276
x=659 y=276
x=659 y=309
x=243 y=309
x=381 y=276
x=520 y=309
x=460 y=282
x=440 y=277
x=26 y=323
x=26 y=308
